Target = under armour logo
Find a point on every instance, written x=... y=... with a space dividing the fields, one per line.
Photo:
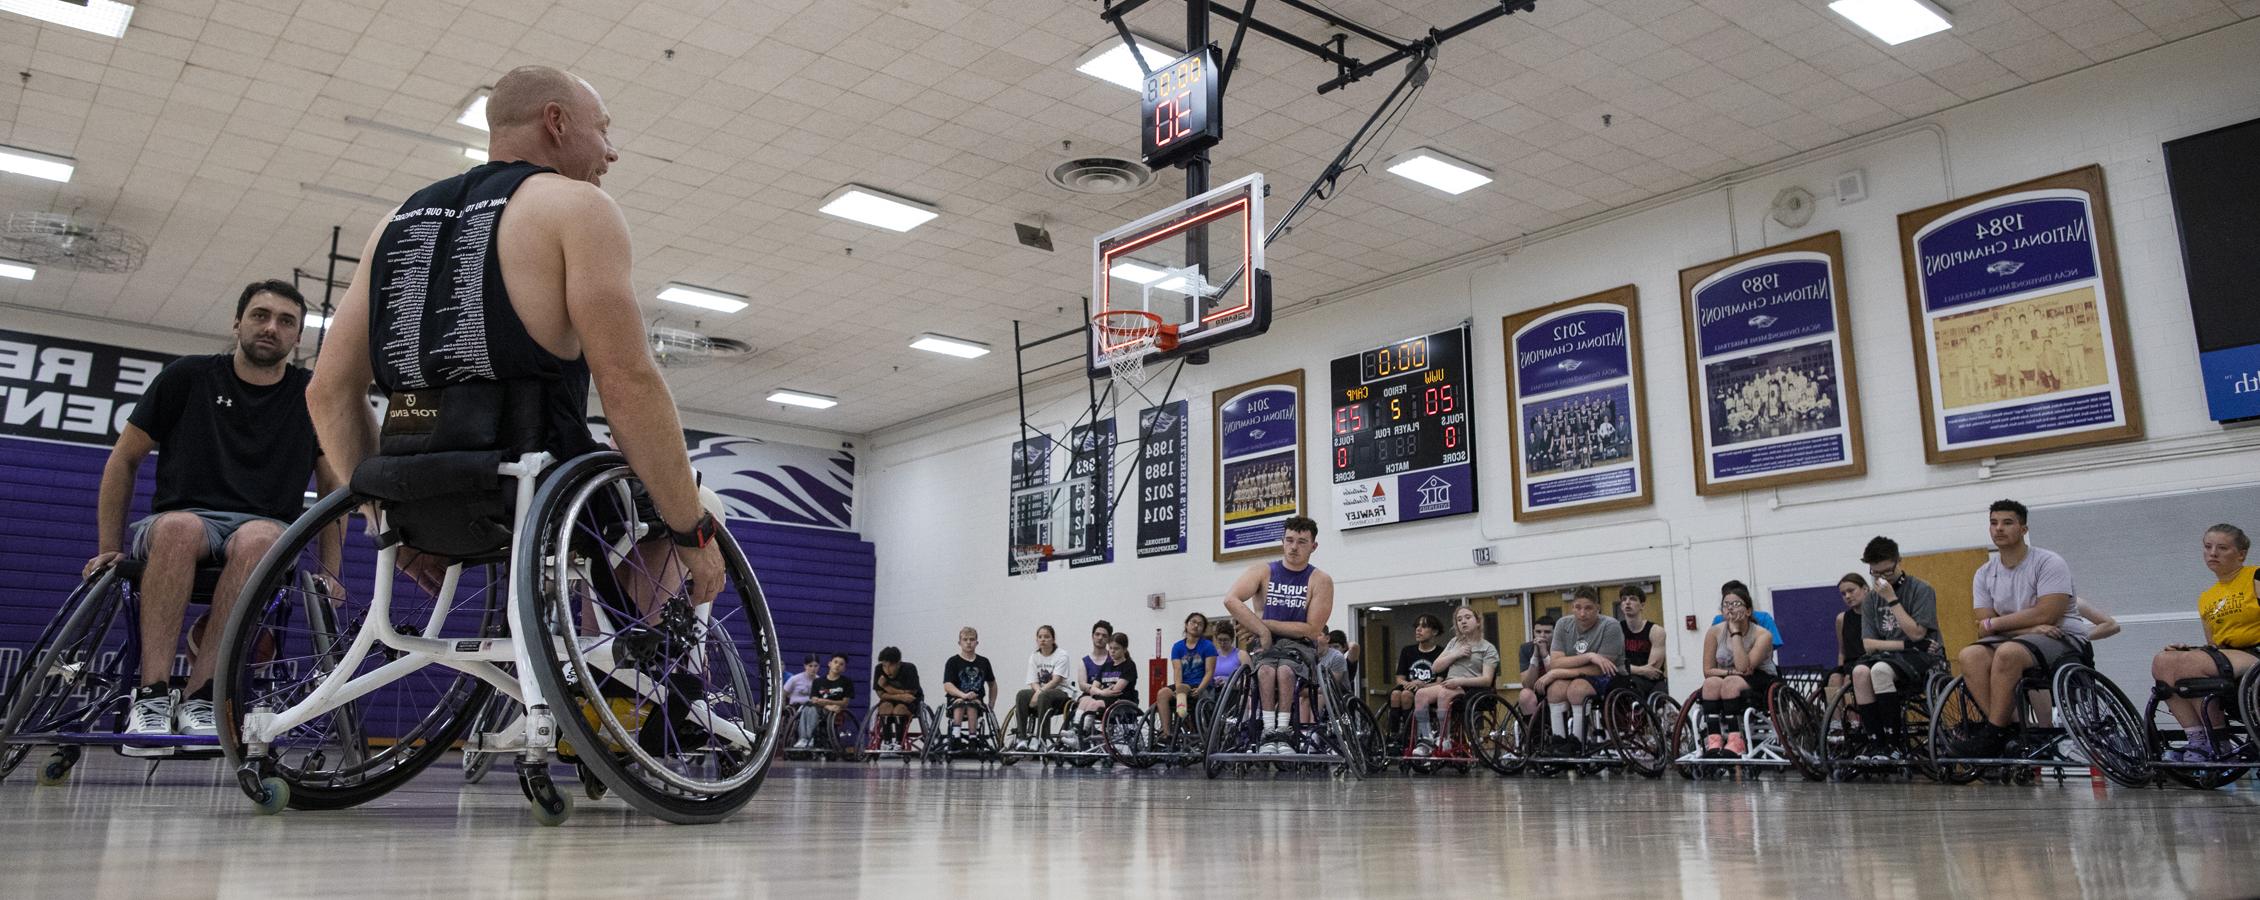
x=224 y=400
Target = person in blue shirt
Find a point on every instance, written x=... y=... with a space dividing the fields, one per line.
x=1192 y=664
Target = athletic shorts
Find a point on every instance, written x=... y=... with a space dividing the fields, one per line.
x=1912 y=666
x=1637 y=685
x=2053 y=653
x=1600 y=683
x=218 y=527
x=1761 y=685
x=1299 y=655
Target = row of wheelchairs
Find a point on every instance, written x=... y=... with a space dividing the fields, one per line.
x=330 y=699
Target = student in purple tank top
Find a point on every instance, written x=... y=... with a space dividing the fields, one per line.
x=1297 y=599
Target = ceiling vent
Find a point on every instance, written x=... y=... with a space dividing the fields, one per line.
x=1100 y=175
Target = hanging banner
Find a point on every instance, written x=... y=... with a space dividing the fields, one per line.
x=1164 y=479
x=1259 y=461
x=1030 y=517
x=1580 y=431
x=1770 y=388
x=2014 y=300
x=1088 y=511
x=1404 y=445
x=74 y=392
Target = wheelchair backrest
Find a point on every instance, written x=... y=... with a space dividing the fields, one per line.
x=437 y=469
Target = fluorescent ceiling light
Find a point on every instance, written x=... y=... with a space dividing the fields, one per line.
x=475 y=113
x=475 y=154
x=21 y=271
x=1110 y=62
x=1147 y=273
x=99 y=16
x=1452 y=176
x=35 y=163
x=803 y=398
x=1894 y=21
x=702 y=298
x=949 y=346
x=1378 y=608
x=877 y=208
x=317 y=320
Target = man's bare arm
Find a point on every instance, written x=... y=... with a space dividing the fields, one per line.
x=2048 y=610
x=118 y=473
x=337 y=398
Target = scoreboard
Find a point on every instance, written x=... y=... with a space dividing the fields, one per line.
x=1404 y=435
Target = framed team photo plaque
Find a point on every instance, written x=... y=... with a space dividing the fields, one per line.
x=1258 y=464
x=1771 y=397
x=2019 y=325
x=1579 y=423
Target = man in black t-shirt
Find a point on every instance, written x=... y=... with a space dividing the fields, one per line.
x=895 y=693
x=967 y=678
x=238 y=448
x=832 y=691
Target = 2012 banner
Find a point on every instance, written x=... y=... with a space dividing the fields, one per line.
x=1164 y=479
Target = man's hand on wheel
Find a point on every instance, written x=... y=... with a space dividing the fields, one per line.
x=104 y=558
x=428 y=571
x=703 y=566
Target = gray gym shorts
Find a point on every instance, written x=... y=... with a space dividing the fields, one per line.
x=218 y=527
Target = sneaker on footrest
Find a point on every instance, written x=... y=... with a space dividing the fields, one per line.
x=152 y=713
x=196 y=717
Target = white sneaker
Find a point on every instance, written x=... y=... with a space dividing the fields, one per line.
x=195 y=717
x=150 y=715
x=803 y=744
x=1421 y=749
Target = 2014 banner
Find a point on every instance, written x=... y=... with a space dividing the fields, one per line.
x=1770 y=389
x=1580 y=424
x=1259 y=464
x=2014 y=299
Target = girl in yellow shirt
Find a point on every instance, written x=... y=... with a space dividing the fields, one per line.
x=2231 y=615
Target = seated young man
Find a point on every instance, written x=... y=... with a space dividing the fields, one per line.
x=1115 y=679
x=1643 y=644
x=830 y=693
x=2027 y=620
x=797 y=691
x=970 y=682
x=1334 y=660
x=1898 y=639
x=238 y=447
x=1416 y=665
x=895 y=687
x=1532 y=665
x=1738 y=670
x=1588 y=651
x=1297 y=600
x=1470 y=663
x=1192 y=665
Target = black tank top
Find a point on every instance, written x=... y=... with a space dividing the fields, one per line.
x=439 y=314
x=1637 y=645
x=1848 y=636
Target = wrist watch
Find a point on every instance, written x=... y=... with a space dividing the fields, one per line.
x=700 y=534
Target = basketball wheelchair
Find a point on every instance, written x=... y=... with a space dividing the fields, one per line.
x=1179 y=743
x=910 y=743
x=76 y=683
x=1472 y=714
x=836 y=735
x=674 y=705
x=981 y=742
x=1115 y=734
x=2045 y=699
x=1338 y=733
x=1787 y=713
x=1842 y=741
x=1625 y=731
x=2138 y=751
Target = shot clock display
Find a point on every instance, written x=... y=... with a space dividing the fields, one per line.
x=1182 y=111
x=1404 y=434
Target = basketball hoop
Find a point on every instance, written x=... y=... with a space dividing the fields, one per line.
x=1126 y=337
x=1028 y=559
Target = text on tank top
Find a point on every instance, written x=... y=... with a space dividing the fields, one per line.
x=1286 y=594
x=1638 y=643
x=439 y=314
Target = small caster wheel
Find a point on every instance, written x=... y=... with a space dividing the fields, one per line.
x=274 y=794
x=57 y=769
x=550 y=806
x=591 y=786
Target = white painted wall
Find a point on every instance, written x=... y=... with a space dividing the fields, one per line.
x=938 y=489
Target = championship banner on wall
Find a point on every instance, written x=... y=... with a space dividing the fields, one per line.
x=1259 y=460
x=73 y=392
x=2014 y=300
x=1770 y=386
x=1164 y=479
x=1403 y=442
x=1088 y=512
x=1030 y=515
x=1580 y=429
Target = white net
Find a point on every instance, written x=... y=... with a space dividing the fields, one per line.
x=1027 y=561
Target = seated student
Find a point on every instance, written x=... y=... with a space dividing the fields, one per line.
x=894 y=684
x=2028 y=620
x=1049 y=681
x=1416 y=664
x=1588 y=652
x=967 y=677
x=1853 y=588
x=1102 y=632
x=797 y=690
x=1643 y=644
x=1898 y=639
x=2231 y=618
x=1115 y=678
x=1334 y=660
x=1470 y=663
x=1737 y=672
x=1532 y=665
x=1229 y=656
x=1192 y=667
x=832 y=692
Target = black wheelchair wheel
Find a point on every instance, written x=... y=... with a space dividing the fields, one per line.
x=2102 y=721
x=1686 y=730
x=1345 y=732
x=1126 y=735
x=675 y=705
x=2248 y=706
x=843 y=736
x=1495 y=731
x=1954 y=717
x=61 y=683
x=287 y=636
x=1536 y=737
x=1637 y=733
x=1371 y=741
x=2164 y=729
x=1237 y=715
x=1802 y=729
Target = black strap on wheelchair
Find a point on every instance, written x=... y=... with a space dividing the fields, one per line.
x=2221 y=662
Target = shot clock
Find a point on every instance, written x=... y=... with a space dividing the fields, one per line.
x=1182 y=113
x=1403 y=443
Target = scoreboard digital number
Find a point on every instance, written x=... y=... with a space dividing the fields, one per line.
x=1182 y=111
x=1404 y=433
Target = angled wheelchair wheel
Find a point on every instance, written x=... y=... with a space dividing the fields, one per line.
x=1802 y=729
x=1495 y=731
x=59 y=686
x=1537 y=734
x=2248 y=706
x=1954 y=716
x=1233 y=730
x=290 y=643
x=1638 y=735
x=1371 y=741
x=1686 y=730
x=2103 y=723
x=497 y=712
x=1127 y=735
x=843 y=738
x=674 y=705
